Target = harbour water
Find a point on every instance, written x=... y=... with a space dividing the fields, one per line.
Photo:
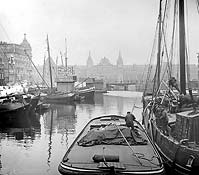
x=37 y=146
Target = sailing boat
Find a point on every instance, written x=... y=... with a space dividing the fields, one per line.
x=170 y=116
x=56 y=96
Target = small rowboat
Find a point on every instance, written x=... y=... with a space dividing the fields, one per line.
x=107 y=146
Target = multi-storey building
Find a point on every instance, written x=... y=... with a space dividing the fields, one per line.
x=15 y=64
x=109 y=72
x=119 y=73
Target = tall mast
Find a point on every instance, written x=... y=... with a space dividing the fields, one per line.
x=44 y=69
x=159 y=46
x=66 y=64
x=182 y=47
x=50 y=70
x=198 y=64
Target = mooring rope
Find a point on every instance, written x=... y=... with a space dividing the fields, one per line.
x=128 y=144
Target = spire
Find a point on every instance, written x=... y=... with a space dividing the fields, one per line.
x=25 y=43
x=24 y=36
x=89 y=54
x=120 y=60
x=89 y=60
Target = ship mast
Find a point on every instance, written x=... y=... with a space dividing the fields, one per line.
x=66 y=54
x=159 y=46
x=182 y=47
x=50 y=70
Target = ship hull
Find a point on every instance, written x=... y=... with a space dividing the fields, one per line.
x=117 y=158
x=179 y=156
x=60 y=98
x=87 y=93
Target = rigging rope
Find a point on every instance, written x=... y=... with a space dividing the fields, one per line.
x=152 y=55
x=128 y=144
x=35 y=67
x=197 y=5
x=5 y=32
x=187 y=47
x=171 y=54
x=137 y=155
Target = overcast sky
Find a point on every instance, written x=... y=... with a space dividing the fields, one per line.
x=102 y=26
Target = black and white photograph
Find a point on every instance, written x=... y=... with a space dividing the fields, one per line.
x=99 y=87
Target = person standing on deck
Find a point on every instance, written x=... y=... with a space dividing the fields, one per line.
x=129 y=119
x=164 y=121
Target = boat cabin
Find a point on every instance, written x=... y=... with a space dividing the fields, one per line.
x=187 y=126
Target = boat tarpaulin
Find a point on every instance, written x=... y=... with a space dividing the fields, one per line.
x=111 y=135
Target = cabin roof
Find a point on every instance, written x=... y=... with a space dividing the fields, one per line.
x=189 y=114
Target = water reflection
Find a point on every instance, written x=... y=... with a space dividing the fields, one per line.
x=50 y=138
x=66 y=118
x=35 y=144
x=60 y=119
x=99 y=98
x=23 y=127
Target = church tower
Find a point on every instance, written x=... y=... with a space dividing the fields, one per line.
x=119 y=60
x=26 y=45
x=89 y=60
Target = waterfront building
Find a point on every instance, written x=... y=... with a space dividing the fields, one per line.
x=133 y=75
x=105 y=69
x=15 y=64
x=120 y=73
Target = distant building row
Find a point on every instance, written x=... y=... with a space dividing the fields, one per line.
x=15 y=62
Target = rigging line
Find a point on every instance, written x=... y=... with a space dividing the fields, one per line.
x=44 y=69
x=165 y=44
x=166 y=50
x=81 y=82
x=165 y=15
x=163 y=24
x=128 y=144
x=187 y=46
x=167 y=9
x=35 y=67
x=188 y=68
x=171 y=54
x=105 y=162
x=5 y=32
x=170 y=90
x=142 y=156
x=197 y=5
x=151 y=56
x=154 y=83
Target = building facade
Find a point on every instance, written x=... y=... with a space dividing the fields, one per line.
x=15 y=64
x=120 y=73
x=111 y=73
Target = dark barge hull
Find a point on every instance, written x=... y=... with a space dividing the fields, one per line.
x=65 y=99
x=180 y=157
x=17 y=114
x=78 y=159
x=87 y=94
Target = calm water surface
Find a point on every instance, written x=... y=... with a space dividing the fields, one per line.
x=37 y=146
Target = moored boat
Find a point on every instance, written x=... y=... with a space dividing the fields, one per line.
x=170 y=114
x=65 y=98
x=87 y=93
x=11 y=109
x=107 y=146
x=57 y=96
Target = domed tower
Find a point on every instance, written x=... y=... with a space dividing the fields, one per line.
x=119 y=60
x=26 y=46
x=89 y=60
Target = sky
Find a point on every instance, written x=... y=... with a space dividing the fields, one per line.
x=103 y=27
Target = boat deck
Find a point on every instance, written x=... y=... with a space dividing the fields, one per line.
x=131 y=158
